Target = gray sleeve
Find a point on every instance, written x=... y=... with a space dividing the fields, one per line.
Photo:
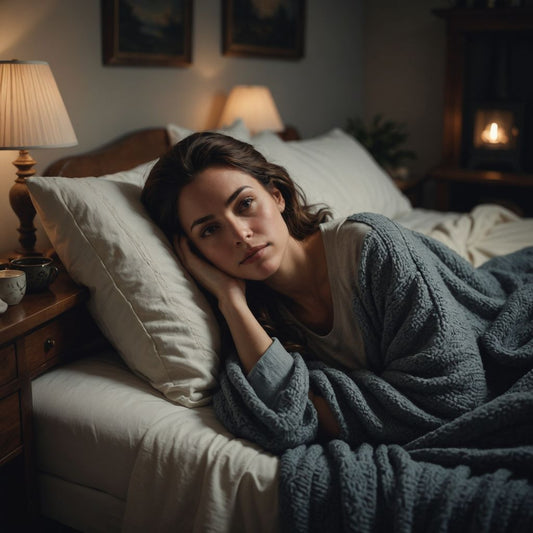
x=271 y=373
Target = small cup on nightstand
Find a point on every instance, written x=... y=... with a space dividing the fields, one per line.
x=12 y=286
x=40 y=272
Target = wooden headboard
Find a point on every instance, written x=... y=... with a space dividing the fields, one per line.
x=123 y=153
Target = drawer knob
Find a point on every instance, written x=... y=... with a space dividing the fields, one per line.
x=49 y=344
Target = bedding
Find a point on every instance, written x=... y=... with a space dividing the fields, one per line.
x=153 y=400
x=487 y=231
x=141 y=298
x=442 y=413
x=107 y=440
x=237 y=129
x=334 y=169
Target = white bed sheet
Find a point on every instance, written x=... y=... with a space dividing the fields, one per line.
x=486 y=231
x=100 y=428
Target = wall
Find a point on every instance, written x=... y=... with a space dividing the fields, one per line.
x=404 y=60
x=315 y=93
x=362 y=57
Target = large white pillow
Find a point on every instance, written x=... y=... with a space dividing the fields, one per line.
x=238 y=130
x=336 y=170
x=141 y=298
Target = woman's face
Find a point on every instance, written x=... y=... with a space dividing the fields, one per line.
x=235 y=222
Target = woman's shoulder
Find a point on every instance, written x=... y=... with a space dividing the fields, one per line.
x=343 y=239
x=344 y=228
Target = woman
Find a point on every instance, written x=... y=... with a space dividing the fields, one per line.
x=280 y=270
x=240 y=222
x=403 y=343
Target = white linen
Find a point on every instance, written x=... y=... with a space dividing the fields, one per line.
x=424 y=220
x=335 y=169
x=99 y=426
x=487 y=231
x=142 y=299
x=190 y=471
x=237 y=129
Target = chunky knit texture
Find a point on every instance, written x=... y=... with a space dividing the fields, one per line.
x=437 y=432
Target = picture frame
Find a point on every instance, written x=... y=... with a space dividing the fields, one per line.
x=260 y=28
x=147 y=33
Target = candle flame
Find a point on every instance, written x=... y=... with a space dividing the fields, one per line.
x=494 y=134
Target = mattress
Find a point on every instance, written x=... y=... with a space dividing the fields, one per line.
x=112 y=453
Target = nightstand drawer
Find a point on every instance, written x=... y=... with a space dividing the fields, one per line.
x=10 y=429
x=56 y=338
x=8 y=364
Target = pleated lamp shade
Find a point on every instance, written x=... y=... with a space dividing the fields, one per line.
x=255 y=106
x=32 y=112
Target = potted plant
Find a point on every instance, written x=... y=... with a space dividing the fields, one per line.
x=384 y=139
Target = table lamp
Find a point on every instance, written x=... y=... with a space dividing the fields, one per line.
x=255 y=106
x=32 y=115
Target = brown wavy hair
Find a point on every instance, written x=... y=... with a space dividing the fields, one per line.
x=199 y=151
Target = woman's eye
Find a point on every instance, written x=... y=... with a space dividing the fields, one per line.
x=246 y=203
x=208 y=230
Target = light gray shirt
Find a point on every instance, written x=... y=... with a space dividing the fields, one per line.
x=342 y=346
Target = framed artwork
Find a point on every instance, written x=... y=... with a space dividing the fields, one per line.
x=147 y=32
x=263 y=28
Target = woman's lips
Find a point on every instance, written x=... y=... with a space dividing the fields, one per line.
x=253 y=254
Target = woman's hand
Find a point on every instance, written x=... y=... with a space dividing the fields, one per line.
x=250 y=339
x=220 y=284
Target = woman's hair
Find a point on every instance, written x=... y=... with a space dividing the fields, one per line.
x=200 y=151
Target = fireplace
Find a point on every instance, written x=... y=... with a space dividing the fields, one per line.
x=494 y=100
x=488 y=109
x=494 y=142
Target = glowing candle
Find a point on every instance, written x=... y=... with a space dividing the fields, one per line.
x=494 y=134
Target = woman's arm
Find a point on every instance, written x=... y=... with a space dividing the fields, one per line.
x=250 y=339
x=251 y=342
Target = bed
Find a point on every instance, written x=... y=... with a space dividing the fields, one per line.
x=127 y=438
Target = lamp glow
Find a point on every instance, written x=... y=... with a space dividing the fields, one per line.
x=255 y=106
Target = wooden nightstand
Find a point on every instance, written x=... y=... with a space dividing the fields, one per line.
x=42 y=331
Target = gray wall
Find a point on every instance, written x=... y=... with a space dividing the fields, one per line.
x=397 y=70
x=404 y=57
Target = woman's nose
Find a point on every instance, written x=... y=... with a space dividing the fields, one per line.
x=241 y=231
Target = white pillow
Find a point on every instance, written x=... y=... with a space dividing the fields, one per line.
x=141 y=298
x=238 y=130
x=336 y=170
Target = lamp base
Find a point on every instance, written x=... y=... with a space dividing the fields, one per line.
x=22 y=205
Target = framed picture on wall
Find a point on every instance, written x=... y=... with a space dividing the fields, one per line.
x=147 y=32
x=263 y=28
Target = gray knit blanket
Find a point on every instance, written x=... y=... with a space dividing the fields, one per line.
x=437 y=432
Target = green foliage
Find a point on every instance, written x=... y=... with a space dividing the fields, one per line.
x=383 y=139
